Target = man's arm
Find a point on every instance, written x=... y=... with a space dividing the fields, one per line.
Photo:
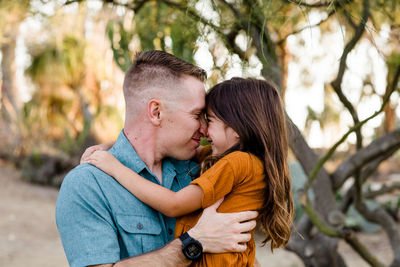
x=169 y=255
x=217 y=232
x=223 y=232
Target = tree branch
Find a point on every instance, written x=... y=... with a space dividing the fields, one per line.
x=228 y=39
x=348 y=16
x=337 y=83
x=355 y=243
x=327 y=156
x=307 y=27
x=367 y=171
x=384 y=190
x=233 y=9
x=380 y=149
x=315 y=218
x=315 y=5
x=389 y=142
x=381 y=217
x=134 y=5
x=324 y=199
x=332 y=12
x=350 y=237
x=193 y=14
x=266 y=49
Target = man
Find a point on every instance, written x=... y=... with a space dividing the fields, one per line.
x=101 y=223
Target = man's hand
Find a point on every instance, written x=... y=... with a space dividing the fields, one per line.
x=90 y=150
x=223 y=232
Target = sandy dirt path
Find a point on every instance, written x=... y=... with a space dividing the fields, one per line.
x=28 y=233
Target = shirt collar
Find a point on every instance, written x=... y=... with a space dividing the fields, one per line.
x=126 y=154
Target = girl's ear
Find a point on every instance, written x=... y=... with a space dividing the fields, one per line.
x=154 y=112
x=236 y=136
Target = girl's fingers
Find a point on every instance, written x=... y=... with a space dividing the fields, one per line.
x=92 y=160
x=88 y=153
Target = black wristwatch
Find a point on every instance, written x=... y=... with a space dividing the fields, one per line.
x=191 y=248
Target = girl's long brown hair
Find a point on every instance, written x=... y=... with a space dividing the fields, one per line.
x=253 y=108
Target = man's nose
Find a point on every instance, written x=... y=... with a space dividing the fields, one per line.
x=203 y=127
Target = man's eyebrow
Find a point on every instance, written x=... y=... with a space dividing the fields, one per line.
x=195 y=110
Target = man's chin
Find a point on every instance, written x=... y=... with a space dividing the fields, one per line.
x=186 y=156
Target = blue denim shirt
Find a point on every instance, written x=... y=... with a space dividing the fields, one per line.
x=101 y=222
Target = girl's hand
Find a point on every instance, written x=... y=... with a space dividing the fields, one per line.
x=89 y=151
x=104 y=161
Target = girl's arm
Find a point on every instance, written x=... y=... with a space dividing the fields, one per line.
x=169 y=203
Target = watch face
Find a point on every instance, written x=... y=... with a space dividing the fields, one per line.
x=193 y=250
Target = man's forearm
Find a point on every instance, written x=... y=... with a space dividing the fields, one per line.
x=169 y=255
x=217 y=232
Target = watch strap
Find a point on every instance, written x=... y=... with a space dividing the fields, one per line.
x=185 y=238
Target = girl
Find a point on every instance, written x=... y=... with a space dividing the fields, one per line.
x=247 y=164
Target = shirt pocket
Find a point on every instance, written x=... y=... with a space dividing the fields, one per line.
x=140 y=233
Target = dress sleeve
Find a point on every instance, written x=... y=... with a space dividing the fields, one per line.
x=219 y=180
x=87 y=231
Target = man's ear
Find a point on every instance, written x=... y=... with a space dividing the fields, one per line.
x=154 y=112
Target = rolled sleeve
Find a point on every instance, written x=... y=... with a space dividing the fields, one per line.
x=216 y=182
x=85 y=222
x=208 y=192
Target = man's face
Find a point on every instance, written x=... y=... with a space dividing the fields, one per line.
x=183 y=126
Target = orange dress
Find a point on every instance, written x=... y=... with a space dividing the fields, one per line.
x=238 y=176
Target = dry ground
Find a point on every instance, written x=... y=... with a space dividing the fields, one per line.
x=29 y=237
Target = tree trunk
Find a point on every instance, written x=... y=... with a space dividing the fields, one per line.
x=284 y=56
x=390 y=114
x=9 y=99
x=10 y=103
x=315 y=249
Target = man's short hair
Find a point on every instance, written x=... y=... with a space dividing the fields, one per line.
x=156 y=69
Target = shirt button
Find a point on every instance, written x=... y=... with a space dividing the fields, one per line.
x=170 y=231
x=140 y=226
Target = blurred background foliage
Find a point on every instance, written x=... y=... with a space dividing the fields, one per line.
x=335 y=63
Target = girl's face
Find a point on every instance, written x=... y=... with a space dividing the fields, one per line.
x=221 y=136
